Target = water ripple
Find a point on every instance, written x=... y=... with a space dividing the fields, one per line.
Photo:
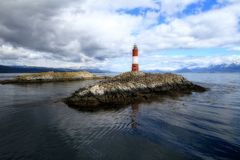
x=36 y=125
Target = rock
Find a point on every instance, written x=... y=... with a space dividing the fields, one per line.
x=129 y=87
x=52 y=77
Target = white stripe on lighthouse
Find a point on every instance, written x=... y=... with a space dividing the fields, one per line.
x=135 y=60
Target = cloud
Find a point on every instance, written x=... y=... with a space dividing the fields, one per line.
x=179 y=62
x=91 y=33
x=171 y=7
x=196 y=31
x=65 y=30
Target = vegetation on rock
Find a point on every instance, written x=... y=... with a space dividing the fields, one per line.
x=52 y=77
x=129 y=87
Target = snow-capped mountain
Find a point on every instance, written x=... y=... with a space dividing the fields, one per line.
x=234 y=67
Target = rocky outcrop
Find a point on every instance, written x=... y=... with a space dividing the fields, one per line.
x=52 y=77
x=130 y=87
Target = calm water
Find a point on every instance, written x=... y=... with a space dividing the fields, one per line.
x=35 y=124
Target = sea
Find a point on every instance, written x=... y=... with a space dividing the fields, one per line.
x=35 y=124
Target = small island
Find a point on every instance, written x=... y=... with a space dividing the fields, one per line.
x=51 y=77
x=130 y=87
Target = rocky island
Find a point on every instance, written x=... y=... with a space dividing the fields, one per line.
x=52 y=77
x=130 y=87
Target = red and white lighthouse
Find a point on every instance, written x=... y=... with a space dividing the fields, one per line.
x=135 y=67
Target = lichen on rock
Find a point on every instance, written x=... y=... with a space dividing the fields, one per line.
x=52 y=77
x=129 y=87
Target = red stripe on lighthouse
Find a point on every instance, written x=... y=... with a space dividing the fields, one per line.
x=135 y=66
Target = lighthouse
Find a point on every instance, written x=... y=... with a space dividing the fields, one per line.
x=135 y=67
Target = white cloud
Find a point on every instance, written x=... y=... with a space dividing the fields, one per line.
x=95 y=33
x=215 y=28
x=22 y=56
x=170 y=63
x=171 y=7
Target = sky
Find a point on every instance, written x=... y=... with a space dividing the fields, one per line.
x=170 y=34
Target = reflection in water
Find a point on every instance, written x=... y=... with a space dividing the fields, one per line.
x=135 y=110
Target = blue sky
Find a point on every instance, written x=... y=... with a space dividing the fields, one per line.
x=170 y=34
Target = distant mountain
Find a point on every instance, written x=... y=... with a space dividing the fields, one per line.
x=154 y=71
x=223 y=68
x=94 y=70
x=33 y=69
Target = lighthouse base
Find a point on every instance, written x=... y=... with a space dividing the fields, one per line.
x=135 y=68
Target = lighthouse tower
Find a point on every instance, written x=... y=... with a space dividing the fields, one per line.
x=135 y=67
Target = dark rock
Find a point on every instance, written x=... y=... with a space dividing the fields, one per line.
x=51 y=77
x=130 y=87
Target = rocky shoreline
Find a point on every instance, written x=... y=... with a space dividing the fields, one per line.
x=51 y=77
x=130 y=87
